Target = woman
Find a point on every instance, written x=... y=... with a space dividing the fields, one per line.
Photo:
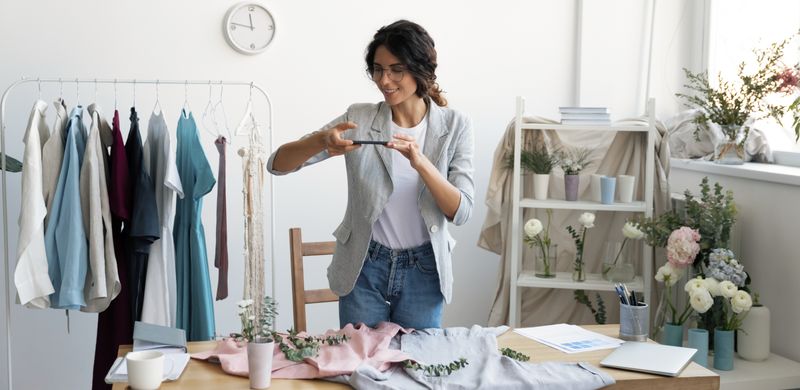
x=393 y=250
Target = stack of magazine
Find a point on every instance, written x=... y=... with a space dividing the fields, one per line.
x=585 y=116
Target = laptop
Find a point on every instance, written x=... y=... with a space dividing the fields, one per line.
x=649 y=357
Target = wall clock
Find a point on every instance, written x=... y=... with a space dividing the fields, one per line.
x=249 y=28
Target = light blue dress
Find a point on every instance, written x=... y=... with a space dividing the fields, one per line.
x=195 y=307
x=64 y=237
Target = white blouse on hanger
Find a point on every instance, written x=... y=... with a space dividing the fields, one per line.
x=31 y=276
x=102 y=280
x=160 y=163
x=54 y=150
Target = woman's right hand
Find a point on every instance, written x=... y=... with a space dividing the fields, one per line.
x=333 y=141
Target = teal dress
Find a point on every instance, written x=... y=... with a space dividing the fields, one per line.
x=195 y=307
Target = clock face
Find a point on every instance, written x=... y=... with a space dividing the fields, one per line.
x=249 y=28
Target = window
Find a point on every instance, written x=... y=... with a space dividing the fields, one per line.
x=735 y=28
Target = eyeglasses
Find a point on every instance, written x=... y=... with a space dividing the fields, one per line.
x=395 y=74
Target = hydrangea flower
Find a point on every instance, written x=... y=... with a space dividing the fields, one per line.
x=722 y=265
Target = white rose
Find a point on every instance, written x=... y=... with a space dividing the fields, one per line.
x=694 y=285
x=741 y=302
x=727 y=289
x=668 y=275
x=533 y=227
x=587 y=220
x=712 y=285
x=701 y=300
x=631 y=231
x=244 y=303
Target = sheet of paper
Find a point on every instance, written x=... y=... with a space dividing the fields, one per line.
x=569 y=338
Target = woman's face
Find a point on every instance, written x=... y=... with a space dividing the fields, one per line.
x=392 y=77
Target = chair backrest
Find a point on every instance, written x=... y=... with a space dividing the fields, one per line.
x=300 y=296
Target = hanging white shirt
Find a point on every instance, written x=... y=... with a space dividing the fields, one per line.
x=102 y=280
x=400 y=225
x=160 y=163
x=31 y=275
x=54 y=150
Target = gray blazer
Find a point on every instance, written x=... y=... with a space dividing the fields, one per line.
x=448 y=145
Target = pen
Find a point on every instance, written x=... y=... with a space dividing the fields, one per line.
x=633 y=297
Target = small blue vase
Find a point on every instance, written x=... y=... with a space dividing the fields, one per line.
x=723 y=349
x=608 y=186
x=698 y=339
x=673 y=335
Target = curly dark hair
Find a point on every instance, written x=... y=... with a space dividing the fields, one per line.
x=410 y=43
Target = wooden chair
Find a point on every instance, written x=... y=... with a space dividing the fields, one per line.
x=300 y=296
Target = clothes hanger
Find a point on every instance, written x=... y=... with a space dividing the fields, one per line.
x=186 y=108
x=208 y=120
x=220 y=107
x=158 y=102
x=60 y=89
x=134 y=93
x=39 y=82
x=115 y=94
x=95 y=92
x=248 y=122
x=77 y=92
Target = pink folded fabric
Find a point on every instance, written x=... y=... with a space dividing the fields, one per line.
x=365 y=346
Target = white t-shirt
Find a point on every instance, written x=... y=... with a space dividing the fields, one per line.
x=401 y=226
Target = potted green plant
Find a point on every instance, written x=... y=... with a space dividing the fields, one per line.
x=540 y=161
x=729 y=109
x=257 y=332
x=572 y=161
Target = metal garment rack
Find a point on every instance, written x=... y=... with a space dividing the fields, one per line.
x=78 y=81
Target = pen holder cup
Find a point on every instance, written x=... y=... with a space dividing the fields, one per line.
x=634 y=322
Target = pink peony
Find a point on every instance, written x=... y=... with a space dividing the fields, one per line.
x=683 y=247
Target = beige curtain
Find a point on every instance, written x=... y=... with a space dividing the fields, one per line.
x=612 y=154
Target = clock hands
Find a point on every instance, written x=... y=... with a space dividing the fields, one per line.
x=242 y=25
x=251 y=21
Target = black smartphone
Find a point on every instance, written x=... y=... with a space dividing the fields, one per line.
x=369 y=142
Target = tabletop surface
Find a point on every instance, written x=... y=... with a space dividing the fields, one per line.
x=203 y=375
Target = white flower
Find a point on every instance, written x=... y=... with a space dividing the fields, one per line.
x=533 y=227
x=727 y=289
x=242 y=311
x=587 y=220
x=741 y=302
x=245 y=303
x=631 y=231
x=668 y=275
x=694 y=285
x=701 y=300
x=251 y=318
x=712 y=285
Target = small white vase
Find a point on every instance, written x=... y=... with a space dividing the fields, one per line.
x=541 y=184
x=753 y=338
x=259 y=364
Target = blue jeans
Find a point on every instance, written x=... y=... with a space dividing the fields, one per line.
x=395 y=285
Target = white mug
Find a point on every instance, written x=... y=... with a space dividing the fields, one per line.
x=145 y=369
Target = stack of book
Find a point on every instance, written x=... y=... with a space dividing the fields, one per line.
x=585 y=116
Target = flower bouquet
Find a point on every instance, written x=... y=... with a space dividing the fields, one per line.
x=614 y=270
x=587 y=221
x=535 y=234
x=682 y=247
x=572 y=162
x=729 y=109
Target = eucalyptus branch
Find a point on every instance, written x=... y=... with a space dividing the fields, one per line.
x=514 y=354
x=436 y=369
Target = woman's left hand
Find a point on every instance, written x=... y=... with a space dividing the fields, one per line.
x=407 y=146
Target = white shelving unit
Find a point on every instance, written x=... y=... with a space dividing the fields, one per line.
x=563 y=280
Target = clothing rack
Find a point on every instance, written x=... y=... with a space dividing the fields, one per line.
x=78 y=81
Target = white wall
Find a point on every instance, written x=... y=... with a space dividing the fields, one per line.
x=766 y=217
x=313 y=71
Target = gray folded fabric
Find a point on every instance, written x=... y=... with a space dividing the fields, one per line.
x=487 y=368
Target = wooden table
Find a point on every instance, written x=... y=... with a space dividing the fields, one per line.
x=204 y=375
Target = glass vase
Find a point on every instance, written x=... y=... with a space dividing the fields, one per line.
x=617 y=266
x=730 y=149
x=546 y=261
x=578 y=269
